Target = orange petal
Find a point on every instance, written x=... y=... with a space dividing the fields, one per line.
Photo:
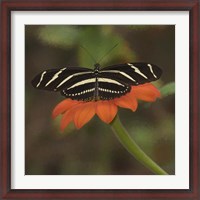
x=146 y=92
x=63 y=106
x=127 y=101
x=106 y=110
x=84 y=113
x=66 y=119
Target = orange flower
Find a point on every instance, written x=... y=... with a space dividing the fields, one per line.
x=81 y=112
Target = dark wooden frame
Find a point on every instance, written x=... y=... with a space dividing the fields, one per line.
x=5 y=86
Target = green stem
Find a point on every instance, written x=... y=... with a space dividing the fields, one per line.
x=133 y=148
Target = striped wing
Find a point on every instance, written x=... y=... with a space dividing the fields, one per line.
x=73 y=82
x=84 y=89
x=132 y=73
x=111 y=88
x=59 y=79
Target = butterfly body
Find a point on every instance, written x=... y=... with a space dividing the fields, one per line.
x=84 y=84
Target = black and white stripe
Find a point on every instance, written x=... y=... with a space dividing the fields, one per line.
x=99 y=84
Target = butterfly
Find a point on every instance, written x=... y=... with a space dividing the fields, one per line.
x=83 y=84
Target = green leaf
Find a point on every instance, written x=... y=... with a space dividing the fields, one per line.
x=168 y=89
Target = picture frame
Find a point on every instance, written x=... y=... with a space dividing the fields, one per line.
x=6 y=107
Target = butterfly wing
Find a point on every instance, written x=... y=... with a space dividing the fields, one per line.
x=59 y=79
x=133 y=73
x=110 y=88
x=76 y=83
x=116 y=80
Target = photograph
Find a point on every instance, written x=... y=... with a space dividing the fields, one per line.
x=100 y=99
x=91 y=90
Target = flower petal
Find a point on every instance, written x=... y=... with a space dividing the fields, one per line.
x=106 y=110
x=127 y=101
x=66 y=119
x=146 y=92
x=83 y=114
x=63 y=106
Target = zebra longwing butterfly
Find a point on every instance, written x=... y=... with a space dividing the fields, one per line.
x=84 y=84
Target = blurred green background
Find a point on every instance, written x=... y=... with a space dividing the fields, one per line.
x=94 y=149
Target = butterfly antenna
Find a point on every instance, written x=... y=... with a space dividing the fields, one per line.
x=91 y=56
x=108 y=52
